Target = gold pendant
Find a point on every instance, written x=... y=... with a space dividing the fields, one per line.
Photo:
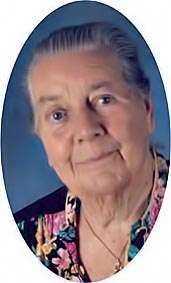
x=118 y=266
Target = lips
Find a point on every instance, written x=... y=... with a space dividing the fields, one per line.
x=95 y=159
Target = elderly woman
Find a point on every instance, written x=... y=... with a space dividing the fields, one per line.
x=93 y=113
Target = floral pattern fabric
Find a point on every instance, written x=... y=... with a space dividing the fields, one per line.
x=54 y=237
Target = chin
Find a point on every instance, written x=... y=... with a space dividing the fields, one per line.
x=104 y=185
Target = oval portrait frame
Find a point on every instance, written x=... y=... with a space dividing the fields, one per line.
x=37 y=143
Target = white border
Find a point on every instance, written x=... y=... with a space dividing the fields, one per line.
x=17 y=20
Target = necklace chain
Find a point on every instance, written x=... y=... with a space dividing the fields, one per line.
x=118 y=266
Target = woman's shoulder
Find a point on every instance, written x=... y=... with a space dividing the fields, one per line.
x=50 y=204
x=43 y=218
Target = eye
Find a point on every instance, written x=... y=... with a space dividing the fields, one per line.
x=104 y=99
x=58 y=116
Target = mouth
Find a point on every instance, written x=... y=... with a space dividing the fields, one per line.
x=96 y=159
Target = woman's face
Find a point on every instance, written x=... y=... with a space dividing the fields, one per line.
x=93 y=124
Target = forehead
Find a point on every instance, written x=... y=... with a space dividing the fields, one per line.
x=85 y=65
x=78 y=73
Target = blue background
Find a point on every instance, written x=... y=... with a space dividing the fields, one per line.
x=26 y=172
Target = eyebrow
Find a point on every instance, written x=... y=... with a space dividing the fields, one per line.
x=99 y=85
x=48 y=98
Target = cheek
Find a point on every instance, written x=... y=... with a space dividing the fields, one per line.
x=57 y=149
x=127 y=128
x=131 y=132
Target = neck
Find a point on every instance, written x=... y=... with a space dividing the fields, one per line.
x=121 y=209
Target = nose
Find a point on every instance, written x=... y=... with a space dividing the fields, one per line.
x=88 y=126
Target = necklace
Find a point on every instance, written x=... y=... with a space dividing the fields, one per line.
x=118 y=265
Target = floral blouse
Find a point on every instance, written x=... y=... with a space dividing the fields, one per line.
x=53 y=237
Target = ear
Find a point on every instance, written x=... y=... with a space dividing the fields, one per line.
x=149 y=112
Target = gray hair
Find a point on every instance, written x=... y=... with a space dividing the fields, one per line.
x=95 y=36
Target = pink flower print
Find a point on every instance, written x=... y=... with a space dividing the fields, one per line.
x=58 y=222
x=156 y=203
x=71 y=248
x=154 y=213
x=54 y=222
x=48 y=223
x=63 y=261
